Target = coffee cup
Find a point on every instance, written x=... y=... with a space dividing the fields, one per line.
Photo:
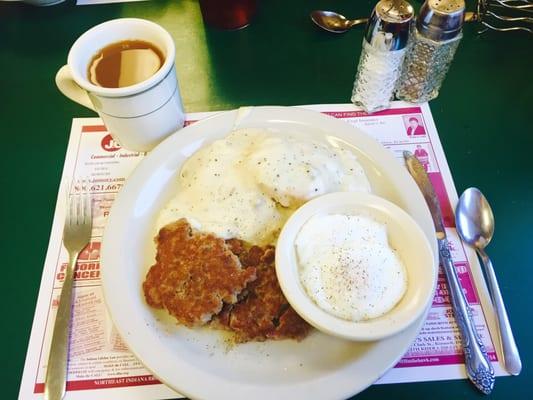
x=137 y=116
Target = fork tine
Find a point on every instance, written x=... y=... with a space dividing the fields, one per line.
x=81 y=203
x=87 y=204
x=511 y=19
x=513 y=28
x=76 y=202
x=73 y=208
x=67 y=202
x=515 y=5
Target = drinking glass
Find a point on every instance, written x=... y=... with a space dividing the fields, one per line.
x=228 y=14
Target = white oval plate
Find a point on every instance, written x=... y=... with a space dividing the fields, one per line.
x=198 y=363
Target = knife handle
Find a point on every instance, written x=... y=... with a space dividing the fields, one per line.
x=477 y=363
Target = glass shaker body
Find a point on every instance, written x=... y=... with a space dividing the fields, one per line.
x=377 y=74
x=425 y=67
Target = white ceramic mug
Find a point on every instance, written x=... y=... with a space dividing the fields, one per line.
x=137 y=116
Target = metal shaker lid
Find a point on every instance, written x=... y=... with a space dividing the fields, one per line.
x=441 y=19
x=388 y=26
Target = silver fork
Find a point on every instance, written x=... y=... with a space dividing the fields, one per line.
x=76 y=235
x=503 y=15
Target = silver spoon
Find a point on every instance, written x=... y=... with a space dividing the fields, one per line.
x=475 y=224
x=333 y=22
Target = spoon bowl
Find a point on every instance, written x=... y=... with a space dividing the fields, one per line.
x=474 y=218
x=334 y=22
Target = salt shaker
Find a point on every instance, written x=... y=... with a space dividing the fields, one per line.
x=382 y=54
x=434 y=39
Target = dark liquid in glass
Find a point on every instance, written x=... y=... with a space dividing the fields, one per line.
x=228 y=14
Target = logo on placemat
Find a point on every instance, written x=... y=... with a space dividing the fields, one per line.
x=109 y=144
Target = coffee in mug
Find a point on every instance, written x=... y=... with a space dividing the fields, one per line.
x=124 y=63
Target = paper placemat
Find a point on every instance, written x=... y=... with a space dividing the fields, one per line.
x=100 y=364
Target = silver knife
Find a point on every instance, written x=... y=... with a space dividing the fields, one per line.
x=478 y=366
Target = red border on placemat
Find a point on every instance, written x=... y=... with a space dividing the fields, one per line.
x=392 y=111
x=93 y=128
x=424 y=361
x=107 y=383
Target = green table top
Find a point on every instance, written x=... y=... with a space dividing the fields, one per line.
x=482 y=115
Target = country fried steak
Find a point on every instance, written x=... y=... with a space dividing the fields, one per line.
x=263 y=313
x=199 y=277
x=195 y=274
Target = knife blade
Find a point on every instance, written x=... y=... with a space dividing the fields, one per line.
x=477 y=363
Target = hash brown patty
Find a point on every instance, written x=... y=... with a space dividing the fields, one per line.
x=195 y=274
x=262 y=311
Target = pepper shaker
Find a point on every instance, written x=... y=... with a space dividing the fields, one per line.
x=434 y=39
x=382 y=55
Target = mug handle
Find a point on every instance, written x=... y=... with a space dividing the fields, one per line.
x=71 y=89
